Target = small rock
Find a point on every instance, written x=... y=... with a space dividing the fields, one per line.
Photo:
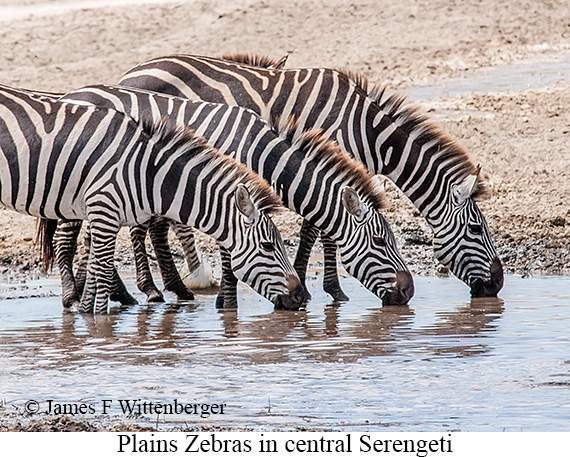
x=442 y=271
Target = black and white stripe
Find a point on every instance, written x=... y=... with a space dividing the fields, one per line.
x=313 y=176
x=66 y=161
x=378 y=129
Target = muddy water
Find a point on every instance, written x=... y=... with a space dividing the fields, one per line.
x=546 y=72
x=444 y=363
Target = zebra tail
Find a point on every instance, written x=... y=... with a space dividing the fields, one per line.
x=45 y=231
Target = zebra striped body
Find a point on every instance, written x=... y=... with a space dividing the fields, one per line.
x=65 y=161
x=312 y=176
x=388 y=137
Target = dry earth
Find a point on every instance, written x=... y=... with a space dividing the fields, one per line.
x=522 y=139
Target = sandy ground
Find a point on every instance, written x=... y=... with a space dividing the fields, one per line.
x=521 y=139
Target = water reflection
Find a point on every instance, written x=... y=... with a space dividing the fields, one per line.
x=467 y=324
x=355 y=365
x=324 y=332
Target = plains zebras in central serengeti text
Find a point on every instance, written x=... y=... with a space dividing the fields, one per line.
x=311 y=174
x=389 y=137
x=66 y=161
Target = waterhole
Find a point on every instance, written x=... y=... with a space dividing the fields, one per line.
x=445 y=362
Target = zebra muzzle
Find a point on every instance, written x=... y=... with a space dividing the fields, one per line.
x=491 y=288
x=402 y=292
x=295 y=298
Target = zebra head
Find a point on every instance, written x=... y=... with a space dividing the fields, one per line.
x=462 y=241
x=369 y=253
x=258 y=255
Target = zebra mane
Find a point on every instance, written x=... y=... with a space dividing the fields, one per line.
x=256 y=60
x=410 y=119
x=317 y=146
x=184 y=138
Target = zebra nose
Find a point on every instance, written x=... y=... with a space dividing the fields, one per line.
x=296 y=296
x=492 y=287
x=402 y=292
x=497 y=277
x=296 y=290
x=405 y=284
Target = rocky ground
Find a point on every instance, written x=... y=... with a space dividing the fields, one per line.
x=521 y=138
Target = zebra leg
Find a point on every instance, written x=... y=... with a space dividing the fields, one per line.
x=81 y=275
x=227 y=298
x=331 y=282
x=220 y=296
x=86 y=278
x=144 y=277
x=100 y=268
x=308 y=236
x=185 y=235
x=199 y=272
x=158 y=230
x=119 y=291
x=89 y=291
x=65 y=246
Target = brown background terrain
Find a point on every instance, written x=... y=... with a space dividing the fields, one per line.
x=521 y=138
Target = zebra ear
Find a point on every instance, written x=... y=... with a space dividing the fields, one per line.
x=245 y=204
x=279 y=64
x=468 y=186
x=351 y=201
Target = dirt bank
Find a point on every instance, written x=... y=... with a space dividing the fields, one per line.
x=522 y=139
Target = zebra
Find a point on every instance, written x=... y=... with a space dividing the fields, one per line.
x=311 y=174
x=67 y=161
x=388 y=135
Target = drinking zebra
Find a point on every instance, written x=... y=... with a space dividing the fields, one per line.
x=66 y=161
x=312 y=176
x=378 y=129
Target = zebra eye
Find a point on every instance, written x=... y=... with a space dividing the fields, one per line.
x=476 y=229
x=379 y=241
x=267 y=245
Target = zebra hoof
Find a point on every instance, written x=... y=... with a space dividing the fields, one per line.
x=71 y=303
x=180 y=289
x=154 y=296
x=124 y=299
x=219 y=301
x=71 y=306
x=337 y=294
x=185 y=295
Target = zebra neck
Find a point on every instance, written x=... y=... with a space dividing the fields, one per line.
x=306 y=187
x=421 y=163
